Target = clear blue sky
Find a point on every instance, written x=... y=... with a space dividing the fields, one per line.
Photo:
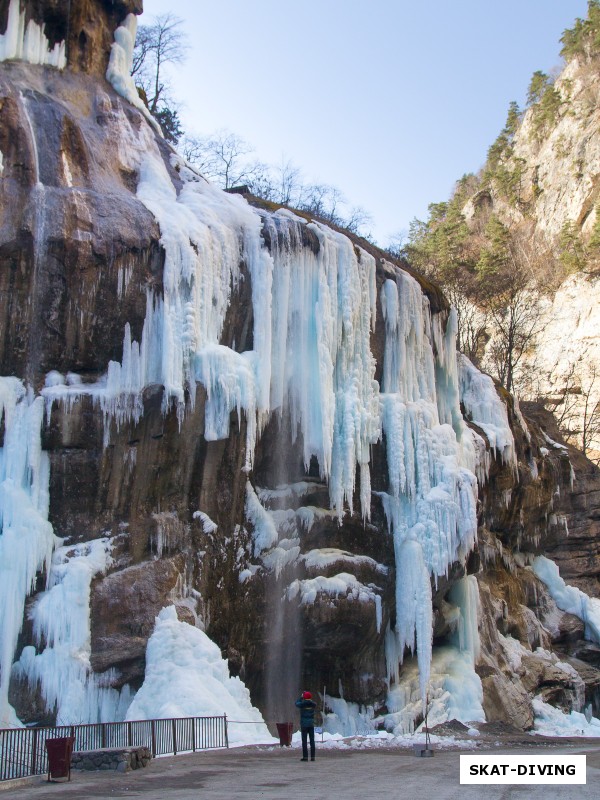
x=389 y=100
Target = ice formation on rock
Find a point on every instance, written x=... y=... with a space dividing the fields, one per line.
x=454 y=689
x=187 y=677
x=61 y=621
x=431 y=462
x=29 y=43
x=342 y=585
x=27 y=539
x=120 y=64
x=569 y=598
x=485 y=408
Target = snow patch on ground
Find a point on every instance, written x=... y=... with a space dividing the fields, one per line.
x=550 y=721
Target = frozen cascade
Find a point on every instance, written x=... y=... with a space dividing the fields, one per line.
x=120 y=64
x=465 y=596
x=431 y=506
x=27 y=539
x=324 y=308
x=313 y=316
x=485 y=408
x=61 y=621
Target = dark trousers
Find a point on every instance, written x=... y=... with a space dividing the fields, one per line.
x=310 y=733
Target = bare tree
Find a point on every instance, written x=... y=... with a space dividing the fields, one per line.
x=515 y=317
x=358 y=221
x=397 y=243
x=227 y=159
x=288 y=183
x=223 y=156
x=322 y=200
x=590 y=423
x=143 y=44
x=156 y=45
x=472 y=321
x=576 y=408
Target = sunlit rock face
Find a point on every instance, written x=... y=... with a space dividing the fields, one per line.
x=559 y=176
x=252 y=417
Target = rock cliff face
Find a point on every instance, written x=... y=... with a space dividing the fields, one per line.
x=555 y=164
x=560 y=171
x=262 y=422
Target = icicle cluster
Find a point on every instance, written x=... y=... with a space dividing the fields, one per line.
x=431 y=505
x=454 y=689
x=61 y=623
x=485 y=408
x=29 y=43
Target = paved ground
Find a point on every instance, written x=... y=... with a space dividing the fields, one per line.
x=278 y=774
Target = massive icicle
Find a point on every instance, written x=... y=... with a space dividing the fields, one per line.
x=120 y=64
x=454 y=689
x=431 y=505
x=26 y=540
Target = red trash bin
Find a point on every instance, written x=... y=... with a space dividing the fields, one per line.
x=285 y=730
x=59 y=756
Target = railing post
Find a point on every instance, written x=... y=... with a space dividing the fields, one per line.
x=153 y=735
x=129 y=737
x=103 y=744
x=174 y=737
x=194 y=734
x=226 y=733
x=34 y=752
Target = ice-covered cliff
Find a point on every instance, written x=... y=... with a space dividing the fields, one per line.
x=247 y=415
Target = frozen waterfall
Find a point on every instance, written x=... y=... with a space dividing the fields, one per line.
x=315 y=309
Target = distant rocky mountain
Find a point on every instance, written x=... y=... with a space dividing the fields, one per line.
x=263 y=422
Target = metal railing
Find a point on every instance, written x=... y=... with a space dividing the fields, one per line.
x=23 y=751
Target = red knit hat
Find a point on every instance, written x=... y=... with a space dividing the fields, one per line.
x=306 y=696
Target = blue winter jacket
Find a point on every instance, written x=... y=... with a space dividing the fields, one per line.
x=307 y=712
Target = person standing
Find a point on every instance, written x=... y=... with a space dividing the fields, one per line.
x=307 y=708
